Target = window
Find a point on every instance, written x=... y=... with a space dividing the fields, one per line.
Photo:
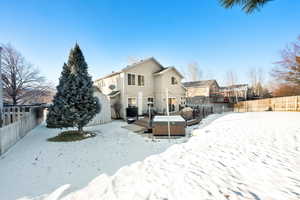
x=131 y=79
x=173 y=81
x=131 y=102
x=151 y=99
x=141 y=81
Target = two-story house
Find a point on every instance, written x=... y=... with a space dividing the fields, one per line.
x=143 y=82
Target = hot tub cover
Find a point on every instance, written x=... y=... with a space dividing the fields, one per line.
x=173 y=118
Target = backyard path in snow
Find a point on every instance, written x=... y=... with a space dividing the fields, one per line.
x=238 y=156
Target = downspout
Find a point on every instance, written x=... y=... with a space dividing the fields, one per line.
x=123 y=97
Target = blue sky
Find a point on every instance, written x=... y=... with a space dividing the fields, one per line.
x=176 y=32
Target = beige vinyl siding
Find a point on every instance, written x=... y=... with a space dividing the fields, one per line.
x=147 y=84
x=163 y=82
x=145 y=70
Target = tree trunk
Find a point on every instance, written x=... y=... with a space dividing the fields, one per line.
x=80 y=129
x=14 y=101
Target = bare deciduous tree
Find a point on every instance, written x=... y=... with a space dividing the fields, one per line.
x=288 y=69
x=22 y=83
x=42 y=94
x=256 y=75
x=285 y=90
x=194 y=73
x=256 y=78
x=231 y=79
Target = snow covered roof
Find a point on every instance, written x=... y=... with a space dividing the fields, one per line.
x=109 y=75
x=234 y=86
x=168 y=69
x=131 y=66
x=142 y=61
x=202 y=83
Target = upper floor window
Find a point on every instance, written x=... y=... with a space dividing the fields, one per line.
x=131 y=79
x=173 y=81
x=141 y=81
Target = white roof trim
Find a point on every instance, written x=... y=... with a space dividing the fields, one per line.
x=168 y=69
x=141 y=62
x=114 y=95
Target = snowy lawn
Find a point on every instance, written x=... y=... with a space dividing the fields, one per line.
x=238 y=156
x=35 y=167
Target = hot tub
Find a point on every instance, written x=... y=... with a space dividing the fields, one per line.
x=160 y=125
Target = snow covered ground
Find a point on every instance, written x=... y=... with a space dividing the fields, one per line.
x=35 y=167
x=238 y=156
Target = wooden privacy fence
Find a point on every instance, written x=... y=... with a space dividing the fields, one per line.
x=271 y=104
x=18 y=125
x=105 y=114
x=13 y=114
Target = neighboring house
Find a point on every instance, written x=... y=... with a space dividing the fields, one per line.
x=143 y=82
x=239 y=91
x=205 y=88
x=209 y=90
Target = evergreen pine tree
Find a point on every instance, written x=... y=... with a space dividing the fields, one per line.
x=81 y=106
x=55 y=117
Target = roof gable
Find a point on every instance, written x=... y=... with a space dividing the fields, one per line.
x=168 y=69
x=151 y=59
x=108 y=76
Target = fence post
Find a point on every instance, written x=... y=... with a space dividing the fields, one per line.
x=296 y=103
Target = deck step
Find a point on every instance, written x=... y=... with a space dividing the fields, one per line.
x=142 y=122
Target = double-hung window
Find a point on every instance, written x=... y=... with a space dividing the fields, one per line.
x=131 y=79
x=151 y=99
x=173 y=81
x=141 y=80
